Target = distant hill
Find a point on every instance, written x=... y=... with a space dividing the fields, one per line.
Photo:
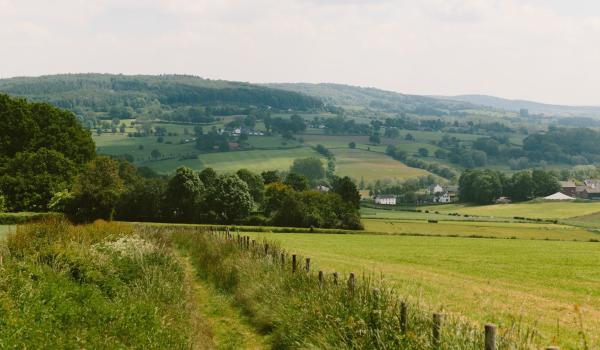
x=532 y=107
x=365 y=97
x=98 y=94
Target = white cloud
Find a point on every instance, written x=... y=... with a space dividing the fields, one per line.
x=518 y=49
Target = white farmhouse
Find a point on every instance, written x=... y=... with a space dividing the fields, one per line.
x=442 y=197
x=385 y=200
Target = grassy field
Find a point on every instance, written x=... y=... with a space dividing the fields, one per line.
x=5 y=229
x=542 y=284
x=256 y=161
x=542 y=210
x=371 y=166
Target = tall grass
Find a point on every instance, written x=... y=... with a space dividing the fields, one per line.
x=299 y=311
x=100 y=286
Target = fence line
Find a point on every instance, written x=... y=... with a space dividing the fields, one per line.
x=248 y=244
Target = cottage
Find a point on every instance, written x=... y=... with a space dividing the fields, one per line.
x=558 y=196
x=385 y=200
x=443 y=197
x=568 y=187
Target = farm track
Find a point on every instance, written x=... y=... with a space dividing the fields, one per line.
x=215 y=314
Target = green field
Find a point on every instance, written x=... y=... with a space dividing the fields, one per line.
x=542 y=210
x=5 y=229
x=360 y=164
x=257 y=160
x=544 y=284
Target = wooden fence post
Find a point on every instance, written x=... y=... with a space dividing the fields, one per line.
x=307 y=266
x=335 y=278
x=266 y=249
x=320 y=277
x=552 y=348
x=293 y=262
x=490 y=337
x=351 y=282
x=403 y=317
x=437 y=330
x=282 y=260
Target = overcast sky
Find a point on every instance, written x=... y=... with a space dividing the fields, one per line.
x=544 y=50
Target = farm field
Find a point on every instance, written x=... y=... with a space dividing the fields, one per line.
x=5 y=229
x=371 y=166
x=511 y=230
x=255 y=160
x=542 y=210
x=547 y=285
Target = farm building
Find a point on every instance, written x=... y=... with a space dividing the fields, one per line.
x=385 y=200
x=443 y=194
x=569 y=188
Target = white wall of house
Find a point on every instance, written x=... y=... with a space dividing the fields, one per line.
x=385 y=200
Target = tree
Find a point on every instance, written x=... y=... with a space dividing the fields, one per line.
x=183 y=195
x=440 y=153
x=208 y=176
x=311 y=167
x=352 y=145
x=144 y=201
x=255 y=183
x=347 y=190
x=480 y=186
x=423 y=152
x=409 y=137
x=375 y=139
x=270 y=176
x=2 y=203
x=155 y=154
x=392 y=133
x=28 y=127
x=230 y=199
x=29 y=180
x=96 y=191
x=520 y=186
x=544 y=183
x=296 y=181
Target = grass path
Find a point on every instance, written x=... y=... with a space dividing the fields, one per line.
x=228 y=327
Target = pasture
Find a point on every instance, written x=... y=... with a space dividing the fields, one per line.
x=534 y=209
x=546 y=285
x=370 y=166
x=6 y=229
x=229 y=162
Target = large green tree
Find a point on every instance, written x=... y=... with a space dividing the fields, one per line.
x=30 y=179
x=520 y=186
x=229 y=198
x=480 y=186
x=97 y=191
x=184 y=194
x=255 y=183
x=544 y=183
x=28 y=127
x=311 y=167
x=347 y=190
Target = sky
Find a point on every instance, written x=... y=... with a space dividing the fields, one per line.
x=542 y=50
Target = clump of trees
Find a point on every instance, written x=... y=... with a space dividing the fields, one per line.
x=483 y=186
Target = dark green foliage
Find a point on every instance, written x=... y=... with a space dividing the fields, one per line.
x=296 y=181
x=347 y=190
x=288 y=207
x=572 y=145
x=255 y=183
x=183 y=195
x=208 y=176
x=544 y=183
x=520 y=186
x=423 y=152
x=26 y=127
x=352 y=145
x=270 y=176
x=212 y=141
x=29 y=180
x=96 y=191
x=229 y=198
x=311 y=167
x=480 y=186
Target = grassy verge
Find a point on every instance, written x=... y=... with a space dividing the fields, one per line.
x=299 y=311
x=101 y=286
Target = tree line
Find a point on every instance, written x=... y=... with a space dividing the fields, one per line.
x=484 y=186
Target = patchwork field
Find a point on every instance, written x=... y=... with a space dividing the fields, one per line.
x=370 y=166
x=256 y=161
x=543 y=284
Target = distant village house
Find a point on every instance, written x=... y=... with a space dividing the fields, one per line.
x=385 y=200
